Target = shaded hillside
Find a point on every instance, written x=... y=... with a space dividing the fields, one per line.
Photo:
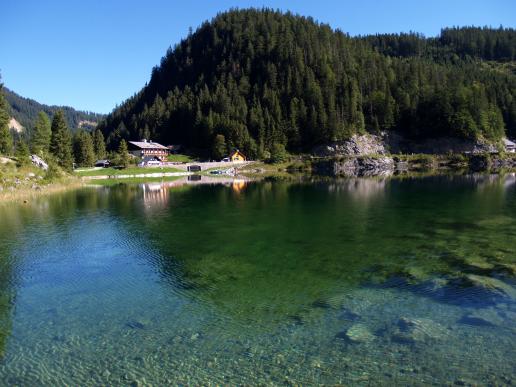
x=25 y=111
x=260 y=78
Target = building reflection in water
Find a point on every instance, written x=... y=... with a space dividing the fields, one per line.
x=156 y=195
x=360 y=188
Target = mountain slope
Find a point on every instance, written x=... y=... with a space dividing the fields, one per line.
x=25 y=111
x=260 y=78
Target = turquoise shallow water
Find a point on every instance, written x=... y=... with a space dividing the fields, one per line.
x=356 y=281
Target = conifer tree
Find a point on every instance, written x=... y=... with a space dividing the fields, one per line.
x=61 y=141
x=22 y=153
x=99 y=145
x=219 y=148
x=41 y=135
x=6 y=139
x=123 y=154
x=83 y=149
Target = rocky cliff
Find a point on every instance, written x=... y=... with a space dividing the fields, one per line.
x=385 y=143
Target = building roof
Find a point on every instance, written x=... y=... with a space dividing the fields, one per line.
x=102 y=162
x=147 y=145
x=508 y=142
x=235 y=151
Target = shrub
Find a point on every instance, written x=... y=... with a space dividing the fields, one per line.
x=278 y=154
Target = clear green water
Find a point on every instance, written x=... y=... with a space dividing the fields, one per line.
x=359 y=282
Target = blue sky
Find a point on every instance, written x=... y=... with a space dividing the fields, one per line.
x=94 y=54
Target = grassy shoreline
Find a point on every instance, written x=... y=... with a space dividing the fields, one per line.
x=22 y=183
x=28 y=182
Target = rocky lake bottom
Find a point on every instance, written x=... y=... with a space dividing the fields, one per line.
x=375 y=281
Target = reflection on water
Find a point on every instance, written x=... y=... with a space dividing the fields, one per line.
x=352 y=281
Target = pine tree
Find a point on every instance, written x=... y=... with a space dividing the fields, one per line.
x=6 y=139
x=83 y=149
x=42 y=134
x=99 y=145
x=22 y=153
x=61 y=142
x=219 y=147
x=123 y=154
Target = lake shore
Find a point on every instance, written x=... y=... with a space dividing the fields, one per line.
x=28 y=182
x=25 y=194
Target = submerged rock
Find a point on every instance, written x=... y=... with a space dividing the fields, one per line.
x=506 y=268
x=348 y=315
x=415 y=273
x=482 y=317
x=416 y=330
x=478 y=264
x=357 y=333
x=135 y=324
x=333 y=302
x=489 y=286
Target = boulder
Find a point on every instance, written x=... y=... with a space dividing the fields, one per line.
x=357 y=333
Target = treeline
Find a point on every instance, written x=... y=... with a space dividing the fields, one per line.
x=466 y=43
x=53 y=140
x=26 y=110
x=255 y=79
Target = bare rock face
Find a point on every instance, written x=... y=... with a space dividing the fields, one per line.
x=391 y=142
x=366 y=144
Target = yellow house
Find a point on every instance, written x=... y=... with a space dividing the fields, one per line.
x=237 y=156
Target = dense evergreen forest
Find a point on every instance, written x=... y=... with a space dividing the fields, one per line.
x=26 y=110
x=256 y=79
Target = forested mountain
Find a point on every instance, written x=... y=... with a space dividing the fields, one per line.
x=26 y=110
x=466 y=43
x=260 y=78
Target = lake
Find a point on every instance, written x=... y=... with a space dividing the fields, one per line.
x=378 y=281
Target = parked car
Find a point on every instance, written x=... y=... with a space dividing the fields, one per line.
x=225 y=160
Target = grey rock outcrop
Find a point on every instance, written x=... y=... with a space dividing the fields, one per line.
x=366 y=144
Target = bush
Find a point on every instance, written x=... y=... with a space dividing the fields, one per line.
x=278 y=154
x=53 y=172
x=300 y=165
